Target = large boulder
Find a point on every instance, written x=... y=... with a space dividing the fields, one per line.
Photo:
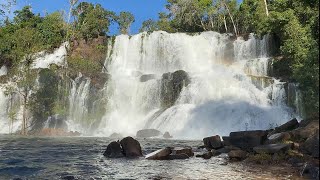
x=237 y=154
x=147 y=133
x=288 y=126
x=114 y=150
x=304 y=132
x=311 y=145
x=162 y=154
x=131 y=147
x=278 y=138
x=247 y=140
x=179 y=150
x=272 y=148
x=171 y=86
x=213 y=142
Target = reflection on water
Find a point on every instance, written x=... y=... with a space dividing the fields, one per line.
x=63 y=158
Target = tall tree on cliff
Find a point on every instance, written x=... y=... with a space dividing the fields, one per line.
x=125 y=19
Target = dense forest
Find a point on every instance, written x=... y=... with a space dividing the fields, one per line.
x=294 y=24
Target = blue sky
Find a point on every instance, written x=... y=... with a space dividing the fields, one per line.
x=141 y=9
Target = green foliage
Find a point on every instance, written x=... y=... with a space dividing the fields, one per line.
x=92 y=20
x=125 y=19
x=149 y=26
x=85 y=66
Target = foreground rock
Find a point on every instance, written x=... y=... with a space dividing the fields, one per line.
x=278 y=138
x=237 y=154
x=288 y=126
x=162 y=154
x=179 y=150
x=246 y=140
x=213 y=142
x=171 y=154
x=147 y=133
x=311 y=145
x=114 y=150
x=272 y=148
x=130 y=147
x=305 y=131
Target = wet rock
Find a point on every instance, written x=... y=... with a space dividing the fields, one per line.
x=246 y=140
x=311 y=145
x=288 y=126
x=201 y=147
x=278 y=138
x=147 y=133
x=162 y=154
x=131 y=147
x=70 y=177
x=167 y=135
x=215 y=152
x=272 y=148
x=147 y=77
x=237 y=154
x=114 y=150
x=178 y=156
x=213 y=142
x=171 y=86
x=115 y=136
x=206 y=155
x=223 y=150
x=179 y=150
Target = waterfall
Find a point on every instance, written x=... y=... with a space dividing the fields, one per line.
x=229 y=87
x=78 y=102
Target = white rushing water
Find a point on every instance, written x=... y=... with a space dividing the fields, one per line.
x=230 y=89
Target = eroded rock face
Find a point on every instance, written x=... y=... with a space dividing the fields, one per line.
x=114 y=150
x=147 y=133
x=171 y=86
x=131 y=148
x=213 y=142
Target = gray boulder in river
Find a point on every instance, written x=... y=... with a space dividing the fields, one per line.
x=147 y=133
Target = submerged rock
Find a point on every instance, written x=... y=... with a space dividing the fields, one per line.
x=162 y=154
x=114 y=150
x=147 y=133
x=272 y=148
x=213 y=142
x=131 y=148
x=166 y=135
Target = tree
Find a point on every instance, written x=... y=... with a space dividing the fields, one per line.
x=149 y=26
x=92 y=20
x=125 y=19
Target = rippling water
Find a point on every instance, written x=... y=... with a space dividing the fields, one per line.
x=81 y=158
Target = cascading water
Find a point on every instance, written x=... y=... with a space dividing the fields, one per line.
x=229 y=86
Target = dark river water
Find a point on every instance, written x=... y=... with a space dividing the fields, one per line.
x=81 y=158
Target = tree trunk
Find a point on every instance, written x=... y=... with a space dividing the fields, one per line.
x=266 y=6
x=225 y=23
x=234 y=26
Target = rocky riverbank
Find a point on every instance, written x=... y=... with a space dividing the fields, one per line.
x=293 y=146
